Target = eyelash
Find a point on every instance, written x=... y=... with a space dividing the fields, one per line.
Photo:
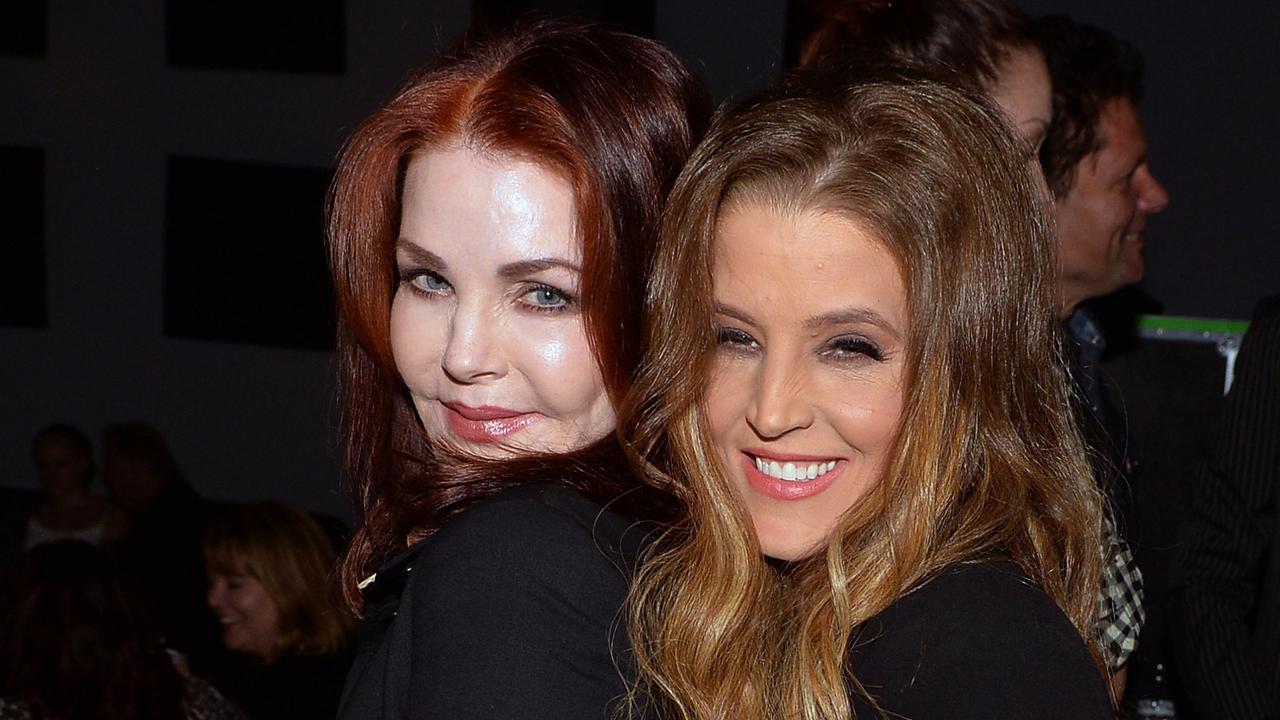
x=410 y=275
x=845 y=348
x=740 y=339
x=568 y=301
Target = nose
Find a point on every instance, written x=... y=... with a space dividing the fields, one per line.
x=473 y=352
x=1152 y=196
x=779 y=404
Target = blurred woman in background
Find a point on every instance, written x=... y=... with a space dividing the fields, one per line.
x=69 y=509
x=988 y=45
x=271 y=586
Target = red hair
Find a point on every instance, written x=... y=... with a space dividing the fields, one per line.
x=615 y=115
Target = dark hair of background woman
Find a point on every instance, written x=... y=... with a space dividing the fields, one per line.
x=968 y=37
x=75 y=641
x=614 y=115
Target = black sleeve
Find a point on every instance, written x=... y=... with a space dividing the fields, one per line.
x=516 y=612
x=1220 y=567
x=977 y=643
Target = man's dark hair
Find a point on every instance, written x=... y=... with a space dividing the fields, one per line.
x=1089 y=67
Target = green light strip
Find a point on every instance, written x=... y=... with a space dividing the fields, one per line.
x=1191 y=324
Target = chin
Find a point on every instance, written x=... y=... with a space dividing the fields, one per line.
x=786 y=546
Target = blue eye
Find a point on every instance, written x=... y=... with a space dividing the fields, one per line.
x=433 y=282
x=544 y=298
x=425 y=282
x=547 y=297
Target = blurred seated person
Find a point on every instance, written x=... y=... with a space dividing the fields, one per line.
x=75 y=642
x=161 y=544
x=68 y=507
x=271 y=587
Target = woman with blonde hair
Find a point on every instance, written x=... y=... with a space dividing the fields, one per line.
x=271 y=586
x=853 y=385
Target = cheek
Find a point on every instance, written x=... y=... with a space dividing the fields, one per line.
x=418 y=334
x=728 y=393
x=867 y=416
x=263 y=611
x=556 y=360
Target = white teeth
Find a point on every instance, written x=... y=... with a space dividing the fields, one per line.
x=792 y=472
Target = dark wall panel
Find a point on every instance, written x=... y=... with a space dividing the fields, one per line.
x=23 y=293
x=305 y=36
x=24 y=28
x=244 y=254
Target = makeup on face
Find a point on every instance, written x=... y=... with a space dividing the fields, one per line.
x=486 y=324
x=805 y=394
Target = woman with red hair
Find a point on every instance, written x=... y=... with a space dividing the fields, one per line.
x=490 y=233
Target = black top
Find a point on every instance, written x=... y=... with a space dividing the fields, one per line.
x=979 y=641
x=294 y=686
x=1225 y=602
x=511 y=610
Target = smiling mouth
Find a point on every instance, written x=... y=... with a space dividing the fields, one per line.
x=486 y=424
x=791 y=477
x=797 y=472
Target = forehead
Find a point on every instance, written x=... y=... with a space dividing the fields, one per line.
x=1120 y=134
x=807 y=261
x=457 y=199
x=1022 y=87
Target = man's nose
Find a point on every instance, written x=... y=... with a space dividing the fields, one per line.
x=1152 y=195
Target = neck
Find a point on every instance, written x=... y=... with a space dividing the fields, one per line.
x=1070 y=301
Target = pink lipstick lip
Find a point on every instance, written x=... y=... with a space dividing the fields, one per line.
x=788 y=489
x=486 y=424
x=484 y=412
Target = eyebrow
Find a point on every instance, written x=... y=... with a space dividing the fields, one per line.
x=419 y=254
x=513 y=270
x=516 y=270
x=849 y=316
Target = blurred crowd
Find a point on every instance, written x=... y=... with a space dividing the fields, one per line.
x=152 y=601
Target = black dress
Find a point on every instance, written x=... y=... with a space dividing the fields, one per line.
x=979 y=641
x=513 y=609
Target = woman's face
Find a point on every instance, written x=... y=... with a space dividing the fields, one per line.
x=806 y=390
x=63 y=466
x=250 y=618
x=1024 y=92
x=486 y=325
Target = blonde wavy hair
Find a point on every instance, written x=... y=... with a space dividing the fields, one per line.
x=987 y=464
